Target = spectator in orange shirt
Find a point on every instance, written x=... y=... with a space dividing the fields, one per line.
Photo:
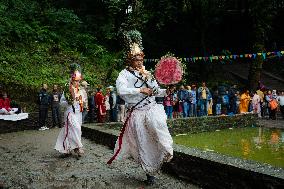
x=244 y=102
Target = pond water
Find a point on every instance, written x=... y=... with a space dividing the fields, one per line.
x=258 y=144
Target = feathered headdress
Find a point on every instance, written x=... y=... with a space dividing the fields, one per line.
x=133 y=45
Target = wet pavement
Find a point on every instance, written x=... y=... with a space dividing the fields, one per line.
x=28 y=161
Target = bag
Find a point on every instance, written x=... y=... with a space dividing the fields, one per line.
x=43 y=98
x=273 y=104
x=180 y=108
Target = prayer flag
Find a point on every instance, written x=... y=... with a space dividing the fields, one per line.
x=264 y=55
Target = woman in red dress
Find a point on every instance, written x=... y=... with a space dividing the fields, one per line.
x=100 y=105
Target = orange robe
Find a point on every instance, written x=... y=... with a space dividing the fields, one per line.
x=244 y=103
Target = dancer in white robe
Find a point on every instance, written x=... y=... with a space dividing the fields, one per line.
x=69 y=137
x=145 y=136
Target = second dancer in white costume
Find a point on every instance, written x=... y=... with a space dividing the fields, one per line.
x=69 y=138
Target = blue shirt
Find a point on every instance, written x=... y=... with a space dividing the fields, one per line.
x=183 y=95
x=193 y=97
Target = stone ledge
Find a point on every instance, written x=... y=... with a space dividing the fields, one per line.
x=197 y=124
x=20 y=125
x=100 y=135
x=207 y=169
x=210 y=123
x=225 y=166
x=27 y=124
x=176 y=126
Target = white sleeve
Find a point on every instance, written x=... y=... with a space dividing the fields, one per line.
x=122 y=86
x=154 y=85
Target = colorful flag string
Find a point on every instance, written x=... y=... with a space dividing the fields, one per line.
x=193 y=59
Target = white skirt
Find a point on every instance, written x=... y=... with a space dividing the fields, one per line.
x=69 y=137
x=147 y=138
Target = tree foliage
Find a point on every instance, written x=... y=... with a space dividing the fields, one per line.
x=261 y=19
x=39 y=39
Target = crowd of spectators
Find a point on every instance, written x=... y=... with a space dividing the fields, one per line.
x=104 y=105
x=193 y=101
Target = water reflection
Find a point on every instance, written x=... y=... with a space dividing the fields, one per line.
x=276 y=137
x=273 y=139
x=260 y=138
x=259 y=144
x=245 y=147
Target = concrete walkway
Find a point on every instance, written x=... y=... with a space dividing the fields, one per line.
x=28 y=160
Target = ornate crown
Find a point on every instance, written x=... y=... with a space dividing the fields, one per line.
x=133 y=44
x=75 y=72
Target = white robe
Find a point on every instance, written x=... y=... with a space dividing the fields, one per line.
x=256 y=104
x=146 y=136
x=69 y=137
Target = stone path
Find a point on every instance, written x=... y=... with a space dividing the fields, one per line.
x=278 y=123
x=28 y=160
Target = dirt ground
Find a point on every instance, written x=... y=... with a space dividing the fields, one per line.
x=28 y=160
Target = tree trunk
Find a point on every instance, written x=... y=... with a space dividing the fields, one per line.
x=255 y=73
x=260 y=18
x=255 y=69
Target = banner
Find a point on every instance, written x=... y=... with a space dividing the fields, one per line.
x=193 y=59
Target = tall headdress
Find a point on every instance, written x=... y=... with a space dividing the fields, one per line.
x=133 y=45
x=75 y=72
x=69 y=90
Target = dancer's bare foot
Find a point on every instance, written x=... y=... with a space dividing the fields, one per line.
x=79 y=151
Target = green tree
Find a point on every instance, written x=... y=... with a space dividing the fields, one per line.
x=261 y=13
